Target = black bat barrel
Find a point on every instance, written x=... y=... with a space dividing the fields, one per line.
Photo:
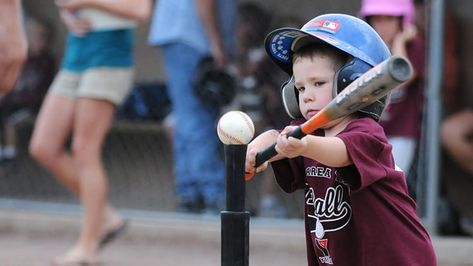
x=235 y=220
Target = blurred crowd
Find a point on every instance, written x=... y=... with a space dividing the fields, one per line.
x=214 y=60
x=253 y=83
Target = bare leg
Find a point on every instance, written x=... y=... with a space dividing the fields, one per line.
x=92 y=122
x=457 y=131
x=47 y=147
x=50 y=134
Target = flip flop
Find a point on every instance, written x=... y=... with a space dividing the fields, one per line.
x=69 y=260
x=112 y=235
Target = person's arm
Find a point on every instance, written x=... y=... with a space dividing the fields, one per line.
x=207 y=11
x=399 y=46
x=330 y=151
x=402 y=39
x=134 y=9
x=13 y=44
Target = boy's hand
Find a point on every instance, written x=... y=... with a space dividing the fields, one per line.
x=289 y=147
x=251 y=162
x=256 y=145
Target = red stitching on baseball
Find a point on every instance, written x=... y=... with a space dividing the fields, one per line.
x=228 y=136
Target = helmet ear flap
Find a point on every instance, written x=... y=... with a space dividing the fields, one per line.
x=290 y=99
x=349 y=73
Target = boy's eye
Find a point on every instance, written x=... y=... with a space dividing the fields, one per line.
x=319 y=83
x=300 y=89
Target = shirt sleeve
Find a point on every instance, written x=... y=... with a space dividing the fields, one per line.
x=370 y=152
x=289 y=174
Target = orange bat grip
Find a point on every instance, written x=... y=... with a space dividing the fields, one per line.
x=317 y=121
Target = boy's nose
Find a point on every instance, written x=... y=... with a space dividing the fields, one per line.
x=308 y=97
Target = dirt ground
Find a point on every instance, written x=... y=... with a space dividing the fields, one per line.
x=32 y=238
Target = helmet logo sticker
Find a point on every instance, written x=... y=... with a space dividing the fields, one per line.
x=323 y=25
x=280 y=45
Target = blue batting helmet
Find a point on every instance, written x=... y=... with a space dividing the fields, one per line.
x=349 y=34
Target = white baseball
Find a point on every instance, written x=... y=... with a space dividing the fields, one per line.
x=235 y=127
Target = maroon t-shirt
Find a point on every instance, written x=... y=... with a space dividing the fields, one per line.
x=359 y=215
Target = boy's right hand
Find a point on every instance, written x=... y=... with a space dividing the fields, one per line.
x=250 y=163
x=256 y=145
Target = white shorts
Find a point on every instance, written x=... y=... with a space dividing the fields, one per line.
x=105 y=83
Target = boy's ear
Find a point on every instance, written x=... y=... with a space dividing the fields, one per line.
x=290 y=99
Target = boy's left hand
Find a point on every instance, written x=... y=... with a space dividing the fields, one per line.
x=289 y=147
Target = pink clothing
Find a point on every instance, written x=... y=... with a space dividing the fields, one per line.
x=403 y=115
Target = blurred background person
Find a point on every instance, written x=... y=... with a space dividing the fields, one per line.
x=451 y=70
x=449 y=214
x=457 y=139
x=12 y=43
x=96 y=76
x=454 y=215
x=253 y=23
x=402 y=118
x=272 y=79
x=187 y=32
x=29 y=90
x=260 y=88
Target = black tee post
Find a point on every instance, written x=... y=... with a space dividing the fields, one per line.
x=234 y=219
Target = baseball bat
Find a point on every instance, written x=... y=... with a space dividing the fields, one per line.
x=365 y=90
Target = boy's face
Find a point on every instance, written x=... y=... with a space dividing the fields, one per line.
x=313 y=78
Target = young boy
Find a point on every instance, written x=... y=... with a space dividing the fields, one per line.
x=357 y=210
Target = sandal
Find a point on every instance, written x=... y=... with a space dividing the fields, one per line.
x=112 y=234
x=71 y=260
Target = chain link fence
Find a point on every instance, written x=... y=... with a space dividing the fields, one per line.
x=138 y=159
